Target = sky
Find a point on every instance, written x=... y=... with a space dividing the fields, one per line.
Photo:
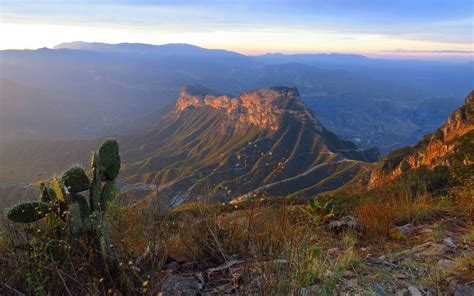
x=422 y=29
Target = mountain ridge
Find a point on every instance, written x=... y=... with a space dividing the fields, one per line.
x=435 y=149
x=222 y=147
x=262 y=107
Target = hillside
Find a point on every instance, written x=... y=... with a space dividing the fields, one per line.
x=449 y=146
x=223 y=146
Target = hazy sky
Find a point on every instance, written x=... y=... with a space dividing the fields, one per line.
x=421 y=28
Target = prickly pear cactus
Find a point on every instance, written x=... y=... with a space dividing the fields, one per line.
x=29 y=212
x=76 y=180
x=63 y=200
x=66 y=209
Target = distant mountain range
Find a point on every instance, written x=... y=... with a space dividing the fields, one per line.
x=85 y=90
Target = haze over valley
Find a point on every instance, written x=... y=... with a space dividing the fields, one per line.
x=124 y=86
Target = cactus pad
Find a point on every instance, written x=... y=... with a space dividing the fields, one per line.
x=29 y=212
x=79 y=221
x=96 y=185
x=76 y=180
x=109 y=160
x=109 y=193
x=83 y=205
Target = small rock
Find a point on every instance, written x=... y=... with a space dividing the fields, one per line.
x=380 y=261
x=402 y=232
x=406 y=229
x=379 y=289
x=433 y=250
x=179 y=285
x=449 y=242
x=352 y=284
x=344 y=223
x=427 y=249
x=402 y=292
x=414 y=291
x=401 y=276
x=224 y=266
x=307 y=291
x=444 y=264
x=452 y=285
x=329 y=274
x=348 y=274
x=463 y=290
x=280 y=261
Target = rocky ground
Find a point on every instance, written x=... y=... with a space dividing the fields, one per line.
x=431 y=259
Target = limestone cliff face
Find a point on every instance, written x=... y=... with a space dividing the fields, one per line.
x=433 y=150
x=263 y=108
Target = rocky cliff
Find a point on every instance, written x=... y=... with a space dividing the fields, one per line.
x=263 y=108
x=435 y=149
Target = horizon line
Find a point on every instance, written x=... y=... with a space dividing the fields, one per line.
x=396 y=54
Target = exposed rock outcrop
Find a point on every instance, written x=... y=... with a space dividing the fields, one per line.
x=263 y=108
x=433 y=150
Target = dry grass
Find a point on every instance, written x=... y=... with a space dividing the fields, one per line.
x=387 y=207
x=281 y=248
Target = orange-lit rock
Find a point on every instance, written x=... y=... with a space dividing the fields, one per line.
x=432 y=150
x=261 y=108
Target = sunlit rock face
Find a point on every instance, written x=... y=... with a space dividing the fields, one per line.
x=433 y=150
x=262 y=108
